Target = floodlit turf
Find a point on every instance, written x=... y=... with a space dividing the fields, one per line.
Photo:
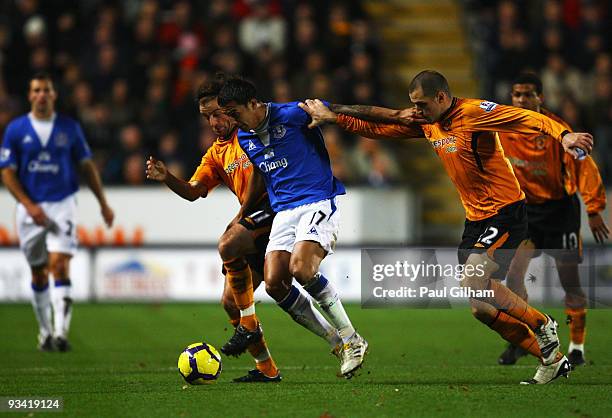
x=421 y=363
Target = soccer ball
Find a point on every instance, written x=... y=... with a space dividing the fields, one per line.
x=199 y=364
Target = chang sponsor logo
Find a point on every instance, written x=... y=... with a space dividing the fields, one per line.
x=266 y=166
x=40 y=167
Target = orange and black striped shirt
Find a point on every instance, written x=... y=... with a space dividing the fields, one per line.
x=465 y=139
x=546 y=172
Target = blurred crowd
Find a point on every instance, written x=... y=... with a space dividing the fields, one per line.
x=568 y=42
x=128 y=71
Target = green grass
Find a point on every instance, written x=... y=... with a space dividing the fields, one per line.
x=422 y=363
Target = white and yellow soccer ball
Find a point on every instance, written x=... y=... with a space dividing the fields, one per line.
x=200 y=364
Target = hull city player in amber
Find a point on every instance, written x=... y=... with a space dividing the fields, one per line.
x=463 y=134
x=550 y=178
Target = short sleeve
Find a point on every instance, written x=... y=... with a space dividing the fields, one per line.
x=8 y=149
x=80 y=148
x=206 y=173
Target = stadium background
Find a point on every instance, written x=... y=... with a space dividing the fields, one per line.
x=127 y=70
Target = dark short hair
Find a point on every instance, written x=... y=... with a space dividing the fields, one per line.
x=430 y=82
x=237 y=89
x=42 y=75
x=210 y=89
x=528 y=77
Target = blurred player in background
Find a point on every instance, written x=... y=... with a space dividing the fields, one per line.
x=294 y=165
x=242 y=246
x=462 y=133
x=41 y=155
x=550 y=179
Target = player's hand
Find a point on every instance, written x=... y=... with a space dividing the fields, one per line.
x=156 y=170
x=38 y=215
x=319 y=113
x=234 y=221
x=577 y=140
x=599 y=228
x=411 y=115
x=108 y=215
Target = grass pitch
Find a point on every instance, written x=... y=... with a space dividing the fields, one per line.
x=422 y=363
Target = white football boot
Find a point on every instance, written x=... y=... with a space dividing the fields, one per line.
x=548 y=340
x=547 y=373
x=353 y=354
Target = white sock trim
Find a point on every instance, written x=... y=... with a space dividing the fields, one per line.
x=248 y=311
x=574 y=346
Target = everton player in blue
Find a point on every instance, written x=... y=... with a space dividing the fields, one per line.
x=40 y=155
x=293 y=164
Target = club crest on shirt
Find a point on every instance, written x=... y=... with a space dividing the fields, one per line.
x=61 y=139
x=269 y=153
x=278 y=131
x=540 y=142
x=26 y=139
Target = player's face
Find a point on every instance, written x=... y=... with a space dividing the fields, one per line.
x=526 y=97
x=430 y=107
x=42 y=96
x=245 y=115
x=220 y=123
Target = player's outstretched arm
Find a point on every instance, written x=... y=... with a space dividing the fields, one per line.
x=321 y=114
x=12 y=183
x=502 y=118
x=92 y=177
x=408 y=116
x=156 y=170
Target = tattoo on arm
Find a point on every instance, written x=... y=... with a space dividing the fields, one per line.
x=365 y=112
x=358 y=111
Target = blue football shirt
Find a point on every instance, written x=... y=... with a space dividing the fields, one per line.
x=293 y=158
x=47 y=173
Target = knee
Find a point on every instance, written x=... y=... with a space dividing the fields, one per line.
x=59 y=269
x=475 y=283
x=40 y=276
x=476 y=272
x=277 y=289
x=227 y=248
x=482 y=314
x=478 y=313
x=302 y=270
